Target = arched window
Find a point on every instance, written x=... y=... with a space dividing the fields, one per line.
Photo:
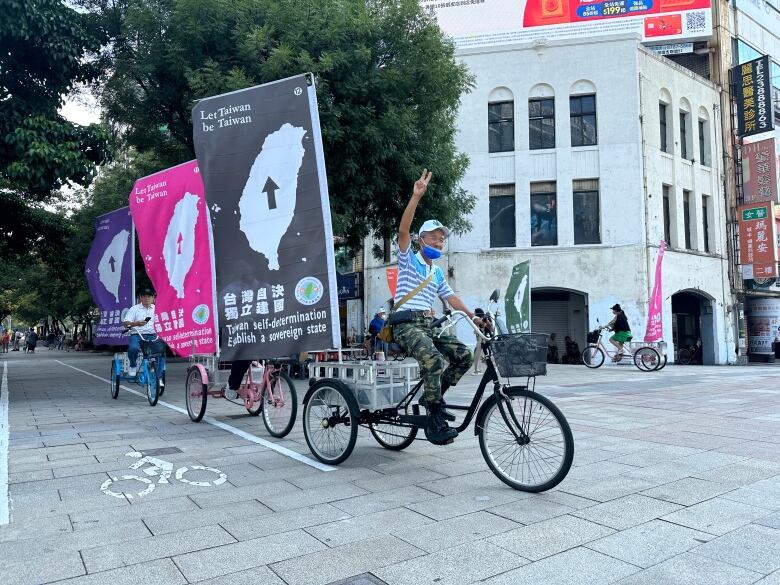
x=501 y=120
x=541 y=117
x=582 y=113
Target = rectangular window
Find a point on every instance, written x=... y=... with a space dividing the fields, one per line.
x=582 y=110
x=667 y=217
x=544 y=214
x=704 y=143
x=664 y=134
x=587 y=228
x=687 y=218
x=541 y=123
x=501 y=127
x=684 y=150
x=502 y=216
x=705 y=205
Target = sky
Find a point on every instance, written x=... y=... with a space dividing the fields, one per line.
x=81 y=107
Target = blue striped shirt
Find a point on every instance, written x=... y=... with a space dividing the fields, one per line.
x=412 y=271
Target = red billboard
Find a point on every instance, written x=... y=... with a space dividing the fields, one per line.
x=486 y=22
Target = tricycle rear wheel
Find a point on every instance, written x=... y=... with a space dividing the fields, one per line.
x=330 y=420
x=195 y=394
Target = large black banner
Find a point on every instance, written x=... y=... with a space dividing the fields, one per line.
x=752 y=89
x=260 y=155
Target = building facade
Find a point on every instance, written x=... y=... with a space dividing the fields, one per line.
x=584 y=155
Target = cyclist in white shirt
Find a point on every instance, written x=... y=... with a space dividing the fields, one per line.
x=141 y=319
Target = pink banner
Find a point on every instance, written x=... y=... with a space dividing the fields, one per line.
x=654 y=330
x=172 y=222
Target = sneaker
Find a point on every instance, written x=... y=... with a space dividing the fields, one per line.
x=231 y=394
x=132 y=371
x=447 y=414
x=436 y=430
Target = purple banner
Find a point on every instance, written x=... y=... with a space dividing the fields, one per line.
x=110 y=274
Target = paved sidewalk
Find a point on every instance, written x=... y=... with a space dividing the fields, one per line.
x=676 y=479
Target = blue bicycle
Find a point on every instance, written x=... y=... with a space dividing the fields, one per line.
x=150 y=361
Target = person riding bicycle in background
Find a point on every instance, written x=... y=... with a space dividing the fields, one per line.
x=141 y=318
x=619 y=325
x=412 y=321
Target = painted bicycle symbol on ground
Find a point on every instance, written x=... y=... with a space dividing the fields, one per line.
x=162 y=470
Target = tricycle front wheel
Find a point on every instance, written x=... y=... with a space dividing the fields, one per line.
x=529 y=446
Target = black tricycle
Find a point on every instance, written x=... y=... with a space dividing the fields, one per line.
x=524 y=438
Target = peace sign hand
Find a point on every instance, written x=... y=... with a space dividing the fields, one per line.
x=421 y=184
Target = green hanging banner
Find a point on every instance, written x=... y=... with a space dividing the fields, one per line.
x=517 y=302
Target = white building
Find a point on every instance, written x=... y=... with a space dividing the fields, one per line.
x=571 y=171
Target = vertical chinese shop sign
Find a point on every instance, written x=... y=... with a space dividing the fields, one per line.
x=759 y=171
x=757 y=241
x=751 y=88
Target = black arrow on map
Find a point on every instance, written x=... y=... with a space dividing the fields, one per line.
x=179 y=243
x=270 y=189
x=111 y=261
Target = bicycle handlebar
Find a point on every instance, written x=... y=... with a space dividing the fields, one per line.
x=451 y=316
x=131 y=330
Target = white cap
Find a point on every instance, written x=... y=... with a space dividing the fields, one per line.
x=380 y=310
x=431 y=225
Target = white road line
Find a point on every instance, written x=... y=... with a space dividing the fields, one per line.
x=225 y=427
x=5 y=514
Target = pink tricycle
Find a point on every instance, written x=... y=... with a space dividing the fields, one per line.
x=265 y=388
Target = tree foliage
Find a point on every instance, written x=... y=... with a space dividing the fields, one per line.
x=388 y=89
x=44 y=50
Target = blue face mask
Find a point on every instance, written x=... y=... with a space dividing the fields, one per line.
x=431 y=253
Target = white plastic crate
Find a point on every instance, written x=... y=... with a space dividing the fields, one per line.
x=376 y=385
x=123 y=359
x=209 y=361
x=659 y=346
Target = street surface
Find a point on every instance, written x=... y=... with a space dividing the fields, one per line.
x=676 y=479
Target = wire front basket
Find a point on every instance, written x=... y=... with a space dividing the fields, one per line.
x=593 y=336
x=520 y=354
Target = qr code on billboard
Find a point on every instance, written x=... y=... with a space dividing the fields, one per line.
x=695 y=21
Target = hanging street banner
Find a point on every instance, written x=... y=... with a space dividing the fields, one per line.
x=110 y=273
x=757 y=241
x=392 y=279
x=759 y=171
x=172 y=221
x=751 y=88
x=472 y=23
x=261 y=158
x=517 y=302
x=654 y=330
x=349 y=285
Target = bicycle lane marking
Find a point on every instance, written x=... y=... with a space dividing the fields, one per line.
x=5 y=514
x=225 y=427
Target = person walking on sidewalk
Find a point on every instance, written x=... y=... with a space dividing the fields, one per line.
x=419 y=283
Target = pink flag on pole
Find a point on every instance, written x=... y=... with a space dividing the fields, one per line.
x=172 y=221
x=655 y=312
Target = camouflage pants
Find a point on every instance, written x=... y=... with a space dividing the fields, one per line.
x=416 y=338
